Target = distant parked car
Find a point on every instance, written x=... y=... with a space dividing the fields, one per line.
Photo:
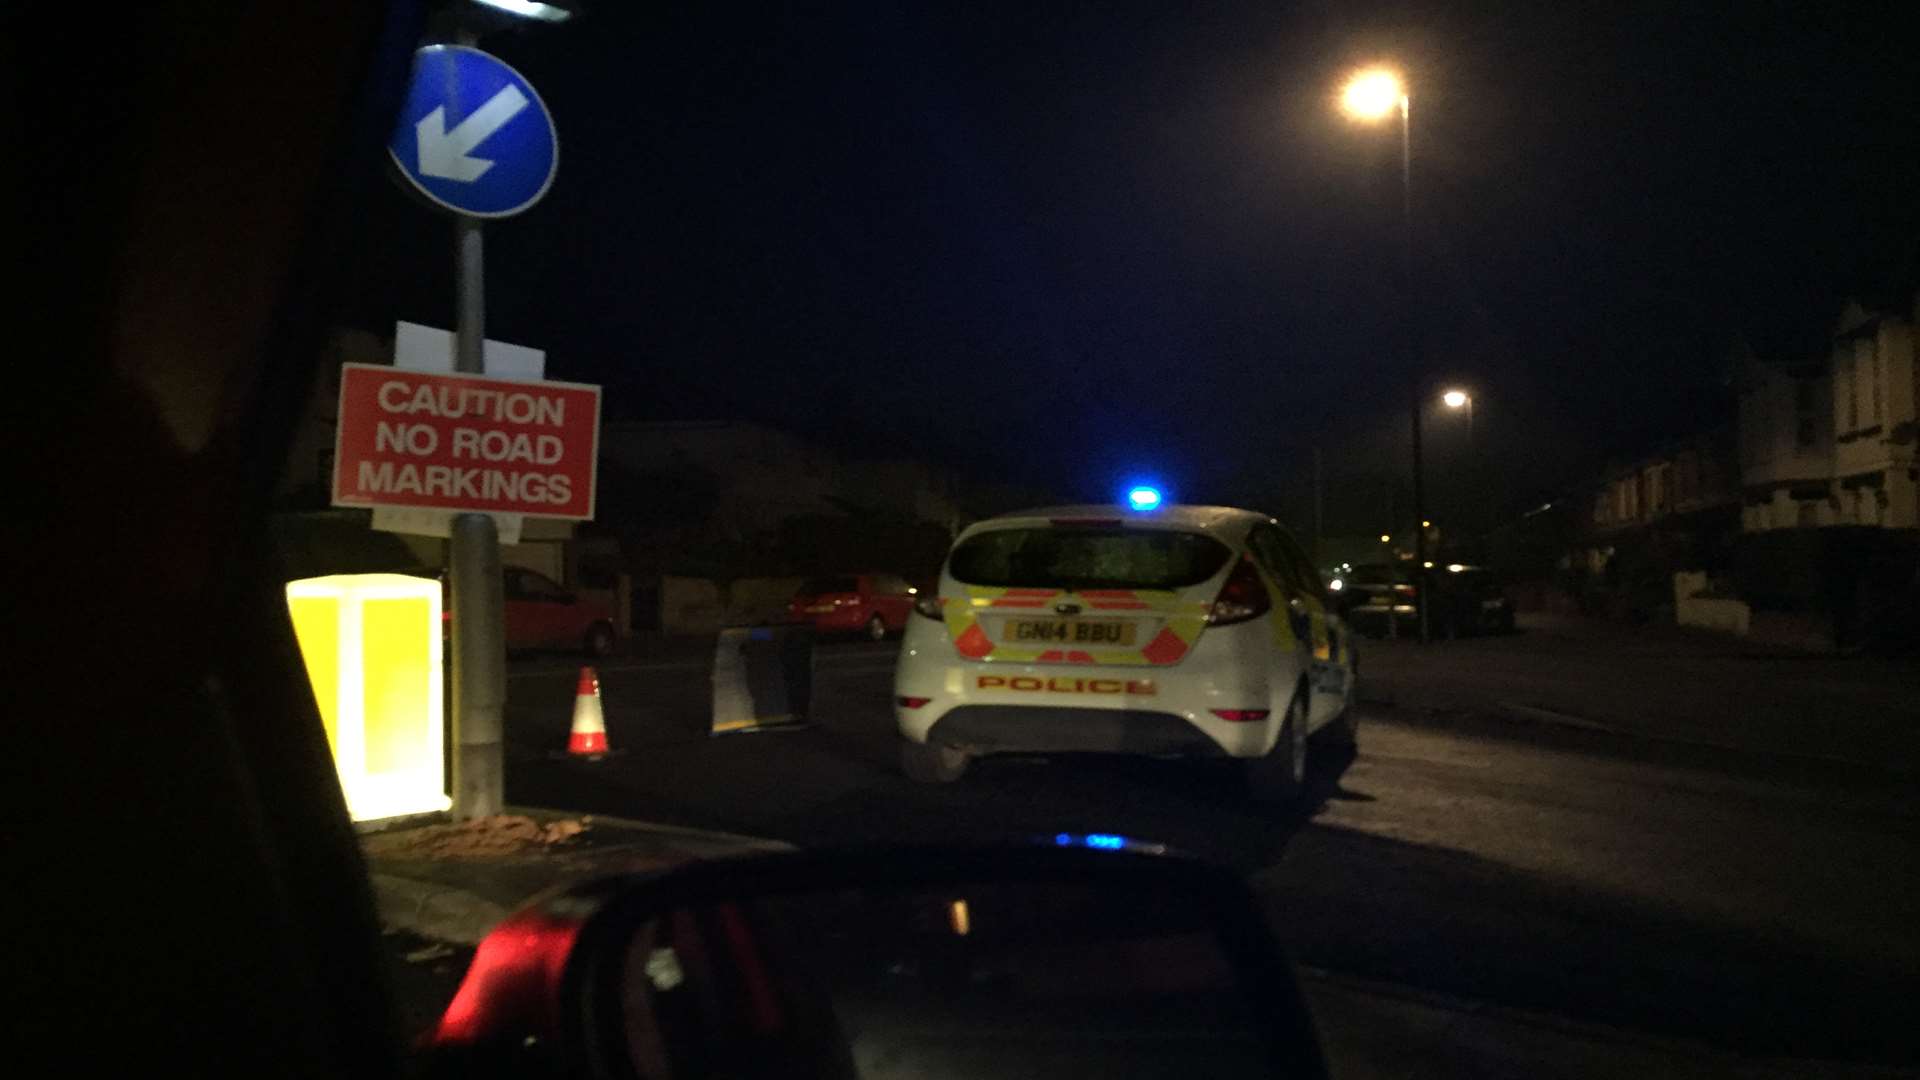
x=873 y=605
x=1368 y=596
x=542 y=614
x=1460 y=599
x=1468 y=600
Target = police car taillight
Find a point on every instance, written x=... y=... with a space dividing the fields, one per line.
x=1243 y=597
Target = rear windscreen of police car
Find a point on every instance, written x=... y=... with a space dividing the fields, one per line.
x=1077 y=557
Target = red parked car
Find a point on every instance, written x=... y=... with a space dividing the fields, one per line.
x=874 y=605
x=542 y=614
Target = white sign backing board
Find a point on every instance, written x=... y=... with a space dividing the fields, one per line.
x=429 y=348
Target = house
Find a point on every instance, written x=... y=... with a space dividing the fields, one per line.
x=1643 y=520
x=717 y=520
x=1828 y=479
x=1786 y=442
x=1874 y=420
x=754 y=478
x=1683 y=480
x=1829 y=440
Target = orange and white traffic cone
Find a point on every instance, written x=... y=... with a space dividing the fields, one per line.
x=589 y=736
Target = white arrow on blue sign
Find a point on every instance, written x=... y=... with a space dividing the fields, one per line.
x=474 y=136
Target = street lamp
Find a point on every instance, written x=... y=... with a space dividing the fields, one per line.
x=1372 y=95
x=1457 y=399
x=1460 y=399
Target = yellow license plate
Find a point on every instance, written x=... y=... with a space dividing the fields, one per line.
x=1070 y=631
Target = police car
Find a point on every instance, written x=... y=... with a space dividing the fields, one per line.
x=1176 y=631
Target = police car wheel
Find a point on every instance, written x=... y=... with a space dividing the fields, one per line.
x=931 y=763
x=1343 y=732
x=1280 y=777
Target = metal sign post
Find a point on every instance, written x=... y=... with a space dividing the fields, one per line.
x=473 y=573
x=474 y=138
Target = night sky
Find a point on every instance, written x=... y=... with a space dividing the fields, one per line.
x=1067 y=244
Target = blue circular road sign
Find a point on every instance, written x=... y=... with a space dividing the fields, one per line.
x=474 y=136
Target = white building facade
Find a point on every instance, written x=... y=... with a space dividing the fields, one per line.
x=1829 y=441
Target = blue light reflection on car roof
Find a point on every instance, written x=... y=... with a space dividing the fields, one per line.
x=1107 y=842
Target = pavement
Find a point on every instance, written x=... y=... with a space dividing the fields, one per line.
x=453 y=883
x=1645 y=890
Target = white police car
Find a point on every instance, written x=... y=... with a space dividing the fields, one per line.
x=1176 y=631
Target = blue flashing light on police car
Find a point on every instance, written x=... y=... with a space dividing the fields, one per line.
x=1143 y=497
x=1100 y=842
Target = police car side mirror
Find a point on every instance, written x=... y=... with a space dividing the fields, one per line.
x=1081 y=952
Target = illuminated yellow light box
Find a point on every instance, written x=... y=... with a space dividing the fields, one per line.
x=372 y=645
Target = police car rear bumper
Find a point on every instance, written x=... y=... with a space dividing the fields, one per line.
x=1032 y=708
x=1041 y=729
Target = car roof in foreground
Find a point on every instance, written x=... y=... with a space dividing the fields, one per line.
x=1200 y=518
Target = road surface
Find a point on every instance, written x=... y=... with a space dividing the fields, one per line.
x=1761 y=904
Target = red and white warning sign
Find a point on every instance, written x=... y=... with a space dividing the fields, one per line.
x=465 y=443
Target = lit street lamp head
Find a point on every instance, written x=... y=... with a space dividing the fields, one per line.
x=1454 y=399
x=1372 y=94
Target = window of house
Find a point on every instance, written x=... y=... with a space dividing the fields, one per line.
x=1869 y=368
x=1806 y=427
x=1849 y=405
x=1626 y=499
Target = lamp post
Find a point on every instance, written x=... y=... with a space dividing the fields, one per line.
x=1457 y=399
x=1460 y=399
x=1370 y=96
